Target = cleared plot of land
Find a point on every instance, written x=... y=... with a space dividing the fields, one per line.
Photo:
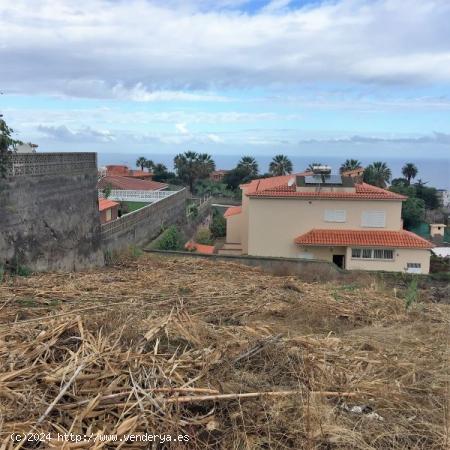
x=171 y=346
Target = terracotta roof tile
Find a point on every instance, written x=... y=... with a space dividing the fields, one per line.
x=363 y=238
x=126 y=183
x=281 y=189
x=104 y=203
x=233 y=210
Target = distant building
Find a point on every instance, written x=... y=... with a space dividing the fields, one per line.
x=356 y=174
x=328 y=217
x=124 y=171
x=130 y=183
x=217 y=175
x=109 y=210
x=26 y=148
x=444 y=197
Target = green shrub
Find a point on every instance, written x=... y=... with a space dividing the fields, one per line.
x=204 y=236
x=411 y=294
x=218 y=225
x=171 y=239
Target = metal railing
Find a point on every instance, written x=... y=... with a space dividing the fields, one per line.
x=137 y=196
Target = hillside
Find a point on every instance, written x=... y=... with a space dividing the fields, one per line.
x=168 y=346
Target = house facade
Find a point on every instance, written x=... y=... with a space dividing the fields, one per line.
x=332 y=218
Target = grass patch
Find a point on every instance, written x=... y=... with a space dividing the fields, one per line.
x=134 y=206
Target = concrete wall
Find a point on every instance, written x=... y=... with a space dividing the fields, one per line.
x=310 y=269
x=49 y=217
x=234 y=227
x=273 y=224
x=141 y=226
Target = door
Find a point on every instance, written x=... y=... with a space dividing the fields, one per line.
x=339 y=260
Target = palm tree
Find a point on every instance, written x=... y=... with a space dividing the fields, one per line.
x=205 y=165
x=377 y=174
x=191 y=166
x=250 y=165
x=310 y=168
x=140 y=162
x=280 y=165
x=409 y=171
x=350 y=164
x=149 y=165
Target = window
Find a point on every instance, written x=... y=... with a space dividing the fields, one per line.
x=371 y=253
x=378 y=254
x=373 y=219
x=413 y=265
x=335 y=215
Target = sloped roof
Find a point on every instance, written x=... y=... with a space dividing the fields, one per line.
x=363 y=238
x=104 y=203
x=126 y=183
x=278 y=187
x=233 y=210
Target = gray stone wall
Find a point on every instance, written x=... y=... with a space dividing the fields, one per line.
x=49 y=217
x=143 y=225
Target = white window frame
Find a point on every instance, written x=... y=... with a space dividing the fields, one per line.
x=413 y=267
x=335 y=215
x=372 y=251
x=373 y=219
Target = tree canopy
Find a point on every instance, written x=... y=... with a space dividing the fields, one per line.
x=249 y=165
x=377 y=174
x=350 y=164
x=191 y=166
x=409 y=171
x=280 y=165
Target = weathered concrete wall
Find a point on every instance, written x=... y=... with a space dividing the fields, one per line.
x=305 y=268
x=143 y=225
x=49 y=217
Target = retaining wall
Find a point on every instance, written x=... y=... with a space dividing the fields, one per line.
x=305 y=268
x=49 y=217
x=143 y=225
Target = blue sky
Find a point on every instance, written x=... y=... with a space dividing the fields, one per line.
x=357 y=78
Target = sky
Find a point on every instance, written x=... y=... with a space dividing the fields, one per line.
x=351 y=78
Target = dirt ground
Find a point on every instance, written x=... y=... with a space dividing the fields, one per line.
x=229 y=356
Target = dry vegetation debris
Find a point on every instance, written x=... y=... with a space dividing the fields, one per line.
x=232 y=357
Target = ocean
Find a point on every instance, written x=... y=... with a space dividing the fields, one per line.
x=436 y=172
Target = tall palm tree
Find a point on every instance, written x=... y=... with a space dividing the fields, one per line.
x=310 y=168
x=205 y=165
x=249 y=164
x=149 y=164
x=280 y=165
x=377 y=174
x=191 y=166
x=350 y=164
x=140 y=162
x=410 y=171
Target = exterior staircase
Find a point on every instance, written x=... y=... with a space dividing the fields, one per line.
x=231 y=248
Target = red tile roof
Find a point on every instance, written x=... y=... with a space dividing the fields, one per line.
x=363 y=238
x=279 y=187
x=125 y=183
x=124 y=171
x=104 y=203
x=233 y=210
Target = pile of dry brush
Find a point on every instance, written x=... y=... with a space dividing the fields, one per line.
x=231 y=357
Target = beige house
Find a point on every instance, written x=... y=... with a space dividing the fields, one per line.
x=328 y=217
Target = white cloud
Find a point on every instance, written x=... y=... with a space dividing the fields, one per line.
x=164 y=51
x=182 y=128
x=86 y=134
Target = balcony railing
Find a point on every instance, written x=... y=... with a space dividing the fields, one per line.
x=137 y=196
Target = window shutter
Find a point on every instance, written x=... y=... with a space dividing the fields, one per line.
x=335 y=215
x=373 y=219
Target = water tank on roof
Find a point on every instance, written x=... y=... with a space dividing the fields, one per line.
x=321 y=169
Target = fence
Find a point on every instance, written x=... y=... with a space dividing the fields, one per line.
x=35 y=164
x=137 y=196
